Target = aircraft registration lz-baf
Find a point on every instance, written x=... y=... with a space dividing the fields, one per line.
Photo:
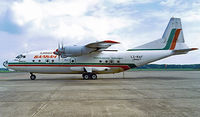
x=94 y=58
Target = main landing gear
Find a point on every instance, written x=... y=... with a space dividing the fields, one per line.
x=87 y=76
x=32 y=77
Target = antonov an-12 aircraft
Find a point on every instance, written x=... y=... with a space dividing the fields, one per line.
x=95 y=58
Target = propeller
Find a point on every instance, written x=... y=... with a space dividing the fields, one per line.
x=59 y=51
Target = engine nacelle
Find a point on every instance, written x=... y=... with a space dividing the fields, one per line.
x=71 y=51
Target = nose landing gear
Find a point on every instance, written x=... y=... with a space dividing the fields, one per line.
x=87 y=76
x=32 y=77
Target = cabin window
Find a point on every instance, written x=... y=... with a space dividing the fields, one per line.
x=118 y=61
x=106 y=61
x=33 y=60
x=39 y=60
x=100 y=61
x=47 y=60
x=52 y=61
x=20 y=56
x=72 y=61
x=111 y=61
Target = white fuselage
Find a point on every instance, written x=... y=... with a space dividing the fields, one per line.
x=100 y=63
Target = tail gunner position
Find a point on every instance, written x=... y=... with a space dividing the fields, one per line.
x=95 y=58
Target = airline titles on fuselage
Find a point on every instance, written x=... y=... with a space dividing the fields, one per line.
x=46 y=52
x=45 y=56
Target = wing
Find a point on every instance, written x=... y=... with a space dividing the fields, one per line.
x=102 y=45
x=72 y=51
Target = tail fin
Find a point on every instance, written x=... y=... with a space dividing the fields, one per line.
x=172 y=38
x=173 y=34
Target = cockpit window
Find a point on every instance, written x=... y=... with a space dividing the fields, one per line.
x=21 y=56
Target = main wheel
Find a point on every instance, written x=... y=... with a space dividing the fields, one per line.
x=94 y=76
x=32 y=77
x=86 y=76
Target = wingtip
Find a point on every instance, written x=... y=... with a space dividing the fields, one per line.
x=110 y=41
x=194 y=48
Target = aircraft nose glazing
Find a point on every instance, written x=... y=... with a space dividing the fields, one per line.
x=5 y=64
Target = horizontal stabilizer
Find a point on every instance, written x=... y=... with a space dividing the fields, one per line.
x=183 y=51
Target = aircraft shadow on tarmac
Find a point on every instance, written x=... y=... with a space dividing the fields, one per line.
x=77 y=78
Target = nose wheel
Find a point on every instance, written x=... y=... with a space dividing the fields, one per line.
x=87 y=76
x=32 y=77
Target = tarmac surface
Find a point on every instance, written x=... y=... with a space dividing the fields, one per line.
x=137 y=94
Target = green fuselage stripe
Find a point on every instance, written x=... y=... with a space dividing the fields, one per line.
x=131 y=65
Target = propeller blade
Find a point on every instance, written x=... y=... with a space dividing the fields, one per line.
x=60 y=50
x=62 y=45
x=58 y=45
x=59 y=58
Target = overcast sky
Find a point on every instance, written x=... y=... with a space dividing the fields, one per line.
x=28 y=25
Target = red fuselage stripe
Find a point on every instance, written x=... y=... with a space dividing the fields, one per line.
x=125 y=67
